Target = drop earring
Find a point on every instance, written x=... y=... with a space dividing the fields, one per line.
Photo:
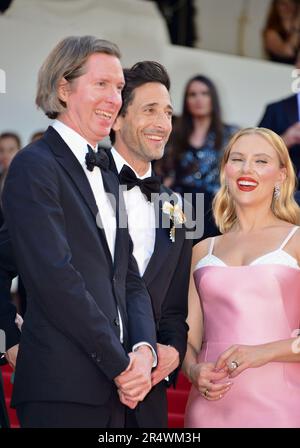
x=277 y=192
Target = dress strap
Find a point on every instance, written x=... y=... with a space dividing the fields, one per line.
x=290 y=234
x=211 y=246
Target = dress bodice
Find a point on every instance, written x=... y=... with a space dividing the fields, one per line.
x=252 y=305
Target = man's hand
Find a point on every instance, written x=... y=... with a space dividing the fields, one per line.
x=126 y=401
x=11 y=355
x=291 y=136
x=135 y=382
x=168 y=361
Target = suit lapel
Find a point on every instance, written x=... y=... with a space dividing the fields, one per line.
x=73 y=169
x=163 y=244
x=111 y=186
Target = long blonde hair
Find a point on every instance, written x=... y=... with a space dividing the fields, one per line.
x=285 y=207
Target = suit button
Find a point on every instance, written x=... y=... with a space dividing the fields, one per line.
x=98 y=360
x=117 y=322
x=94 y=355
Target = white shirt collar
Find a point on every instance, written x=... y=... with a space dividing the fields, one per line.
x=120 y=161
x=75 y=141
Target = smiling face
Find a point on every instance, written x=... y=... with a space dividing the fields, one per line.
x=252 y=170
x=198 y=99
x=144 y=130
x=94 y=99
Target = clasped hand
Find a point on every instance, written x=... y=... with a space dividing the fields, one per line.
x=135 y=382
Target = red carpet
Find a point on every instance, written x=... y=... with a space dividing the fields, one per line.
x=7 y=372
x=176 y=400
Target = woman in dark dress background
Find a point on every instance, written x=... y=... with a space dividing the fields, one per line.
x=191 y=162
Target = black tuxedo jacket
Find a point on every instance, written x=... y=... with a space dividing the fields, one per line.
x=70 y=347
x=279 y=117
x=167 y=280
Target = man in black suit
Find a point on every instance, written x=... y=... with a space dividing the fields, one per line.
x=89 y=317
x=139 y=136
x=283 y=118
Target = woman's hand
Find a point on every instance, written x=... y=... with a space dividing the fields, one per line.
x=204 y=377
x=238 y=358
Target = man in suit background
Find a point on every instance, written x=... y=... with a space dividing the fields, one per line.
x=87 y=306
x=283 y=118
x=139 y=136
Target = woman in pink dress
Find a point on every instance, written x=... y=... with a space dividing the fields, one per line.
x=243 y=355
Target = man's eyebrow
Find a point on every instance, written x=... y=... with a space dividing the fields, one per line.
x=169 y=106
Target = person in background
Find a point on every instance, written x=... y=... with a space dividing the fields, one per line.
x=283 y=117
x=281 y=34
x=36 y=136
x=243 y=355
x=10 y=144
x=191 y=163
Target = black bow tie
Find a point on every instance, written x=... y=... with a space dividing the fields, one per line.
x=147 y=186
x=98 y=158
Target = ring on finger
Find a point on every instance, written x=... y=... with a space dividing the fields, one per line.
x=233 y=365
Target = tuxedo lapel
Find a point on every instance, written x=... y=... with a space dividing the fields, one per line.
x=111 y=186
x=163 y=243
x=73 y=169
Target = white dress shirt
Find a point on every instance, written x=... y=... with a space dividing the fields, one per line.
x=78 y=146
x=141 y=217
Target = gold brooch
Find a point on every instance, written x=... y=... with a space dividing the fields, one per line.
x=176 y=215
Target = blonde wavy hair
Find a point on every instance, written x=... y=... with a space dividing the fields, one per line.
x=285 y=207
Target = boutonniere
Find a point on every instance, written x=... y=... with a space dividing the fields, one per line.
x=176 y=215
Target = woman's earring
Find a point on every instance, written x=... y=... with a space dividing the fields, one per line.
x=277 y=192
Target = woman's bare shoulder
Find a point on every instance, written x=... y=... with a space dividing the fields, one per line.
x=201 y=249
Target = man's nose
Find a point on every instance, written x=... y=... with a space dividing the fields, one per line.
x=114 y=96
x=163 y=121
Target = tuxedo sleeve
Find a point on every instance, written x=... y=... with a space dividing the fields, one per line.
x=35 y=220
x=172 y=326
x=8 y=310
x=139 y=308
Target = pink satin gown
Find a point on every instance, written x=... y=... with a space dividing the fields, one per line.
x=250 y=305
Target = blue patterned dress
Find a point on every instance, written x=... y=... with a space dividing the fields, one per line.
x=198 y=172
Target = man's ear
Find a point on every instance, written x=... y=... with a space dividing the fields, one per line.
x=63 y=90
x=118 y=123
